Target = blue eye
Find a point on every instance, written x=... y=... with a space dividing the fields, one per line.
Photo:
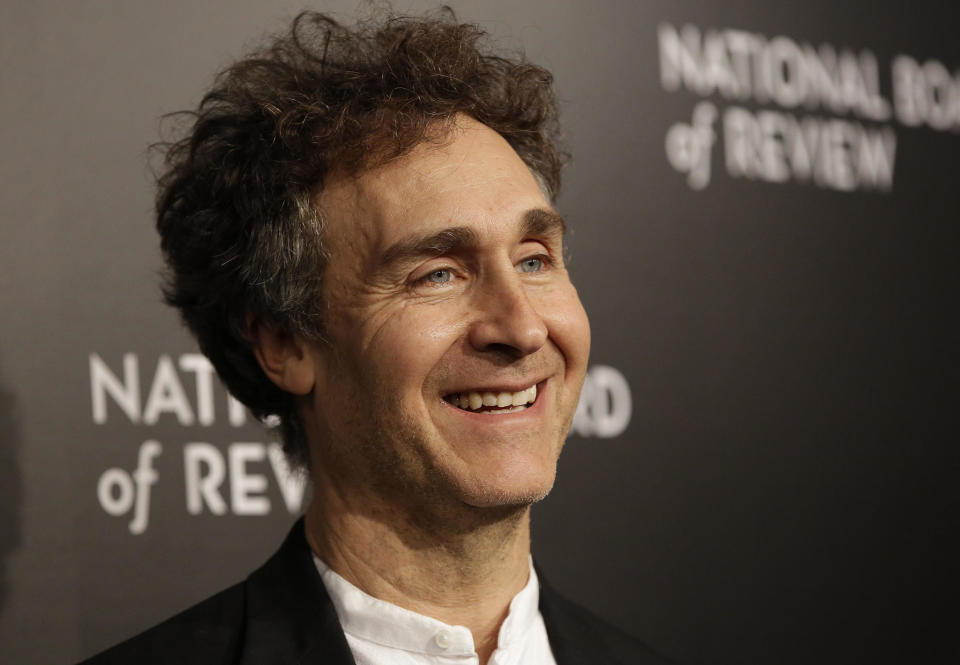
x=439 y=276
x=533 y=264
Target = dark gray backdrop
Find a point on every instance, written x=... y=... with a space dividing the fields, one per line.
x=785 y=491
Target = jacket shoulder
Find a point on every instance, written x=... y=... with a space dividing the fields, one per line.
x=210 y=632
x=577 y=635
x=280 y=614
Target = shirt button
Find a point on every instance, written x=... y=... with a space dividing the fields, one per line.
x=442 y=639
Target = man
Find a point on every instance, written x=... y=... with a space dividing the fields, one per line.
x=359 y=235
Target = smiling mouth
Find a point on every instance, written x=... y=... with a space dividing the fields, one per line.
x=482 y=401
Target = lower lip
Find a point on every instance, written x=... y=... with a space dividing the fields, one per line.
x=486 y=417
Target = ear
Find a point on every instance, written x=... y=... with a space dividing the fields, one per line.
x=285 y=358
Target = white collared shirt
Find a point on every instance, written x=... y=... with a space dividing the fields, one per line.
x=381 y=633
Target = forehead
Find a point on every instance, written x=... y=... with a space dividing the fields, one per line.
x=468 y=177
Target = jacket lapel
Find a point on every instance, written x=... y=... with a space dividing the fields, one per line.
x=290 y=619
x=569 y=647
x=577 y=637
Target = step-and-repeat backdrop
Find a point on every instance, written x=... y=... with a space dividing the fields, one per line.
x=765 y=201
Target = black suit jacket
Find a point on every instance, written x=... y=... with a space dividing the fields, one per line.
x=281 y=615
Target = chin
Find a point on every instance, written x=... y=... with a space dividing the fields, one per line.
x=503 y=494
x=464 y=504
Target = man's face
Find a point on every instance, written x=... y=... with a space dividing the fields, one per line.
x=445 y=284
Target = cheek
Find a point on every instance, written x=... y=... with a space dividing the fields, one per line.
x=569 y=327
x=410 y=341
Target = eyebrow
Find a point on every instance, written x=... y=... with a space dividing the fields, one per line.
x=542 y=222
x=433 y=244
x=536 y=222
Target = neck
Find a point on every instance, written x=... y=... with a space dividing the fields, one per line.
x=462 y=565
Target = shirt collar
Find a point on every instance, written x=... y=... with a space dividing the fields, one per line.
x=368 y=618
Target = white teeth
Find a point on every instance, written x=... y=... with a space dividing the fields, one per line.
x=525 y=396
x=504 y=401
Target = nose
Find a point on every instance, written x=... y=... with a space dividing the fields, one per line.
x=505 y=319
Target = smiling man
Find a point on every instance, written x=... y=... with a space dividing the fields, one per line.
x=360 y=234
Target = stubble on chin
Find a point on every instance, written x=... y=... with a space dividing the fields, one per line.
x=428 y=493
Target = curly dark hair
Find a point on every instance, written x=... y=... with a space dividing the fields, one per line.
x=239 y=227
